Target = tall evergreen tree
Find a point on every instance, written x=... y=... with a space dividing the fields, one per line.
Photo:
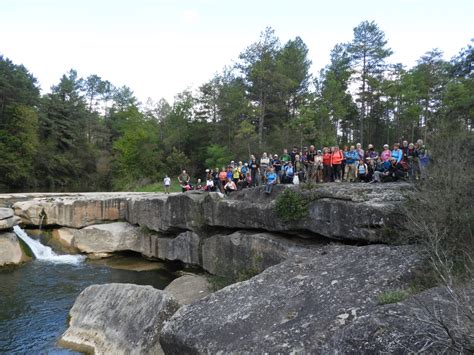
x=368 y=52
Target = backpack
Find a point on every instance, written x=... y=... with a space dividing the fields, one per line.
x=404 y=165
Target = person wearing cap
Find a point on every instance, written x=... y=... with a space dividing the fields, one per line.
x=386 y=153
x=277 y=166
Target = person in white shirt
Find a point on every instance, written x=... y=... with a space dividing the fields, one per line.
x=167 y=182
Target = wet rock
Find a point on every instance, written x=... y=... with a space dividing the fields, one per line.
x=248 y=253
x=188 y=288
x=184 y=247
x=293 y=307
x=10 y=250
x=118 y=319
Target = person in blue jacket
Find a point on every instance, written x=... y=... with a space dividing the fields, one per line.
x=397 y=153
x=271 y=179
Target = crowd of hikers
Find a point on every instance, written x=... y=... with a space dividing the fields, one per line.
x=309 y=165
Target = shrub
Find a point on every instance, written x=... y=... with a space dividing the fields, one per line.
x=291 y=206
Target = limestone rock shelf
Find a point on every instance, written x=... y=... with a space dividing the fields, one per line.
x=340 y=211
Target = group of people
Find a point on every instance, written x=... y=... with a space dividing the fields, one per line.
x=329 y=164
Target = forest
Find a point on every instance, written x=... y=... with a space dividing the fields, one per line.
x=88 y=134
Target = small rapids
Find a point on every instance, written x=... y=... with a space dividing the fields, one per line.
x=45 y=253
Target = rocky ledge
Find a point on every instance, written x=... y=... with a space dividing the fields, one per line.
x=371 y=206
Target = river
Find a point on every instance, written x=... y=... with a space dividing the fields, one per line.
x=35 y=298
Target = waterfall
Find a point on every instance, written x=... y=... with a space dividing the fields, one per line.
x=45 y=253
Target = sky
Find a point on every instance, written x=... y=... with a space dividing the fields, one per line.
x=161 y=47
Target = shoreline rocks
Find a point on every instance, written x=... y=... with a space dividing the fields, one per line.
x=118 y=319
x=11 y=252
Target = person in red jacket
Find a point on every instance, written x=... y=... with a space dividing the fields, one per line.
x=327 y=169
x=336 y=162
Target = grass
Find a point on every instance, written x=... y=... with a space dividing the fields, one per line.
x=392 y=296
x=158 y=187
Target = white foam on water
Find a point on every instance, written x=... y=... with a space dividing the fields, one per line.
x=45 y=253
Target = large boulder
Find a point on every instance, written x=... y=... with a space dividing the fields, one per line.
x=188 y=288
x=437 y=321
x=10 y=250
x=118 y=319
x=339 y=211
x=7 y=219
x=183 y=247
x=107 y=238
x=293 y=307
x=245 y=253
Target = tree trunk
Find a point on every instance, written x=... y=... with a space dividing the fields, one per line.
x=362 y=117
x=261 y=120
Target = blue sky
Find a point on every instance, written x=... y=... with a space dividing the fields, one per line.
x=161 y=47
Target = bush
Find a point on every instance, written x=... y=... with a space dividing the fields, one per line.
x=291 y=206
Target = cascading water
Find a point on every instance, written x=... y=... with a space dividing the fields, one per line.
x=45 y=253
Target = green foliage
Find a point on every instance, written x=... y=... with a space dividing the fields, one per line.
x=219 y=282
x=394 y=296
x=291 y=205
x=218 y=156
x=87 y=134
x=247 y=274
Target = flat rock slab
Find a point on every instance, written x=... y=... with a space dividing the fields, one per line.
x=293 y=307
x=188 y=288
x=118 y=319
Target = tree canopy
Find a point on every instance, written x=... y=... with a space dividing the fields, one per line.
x=88 y=134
